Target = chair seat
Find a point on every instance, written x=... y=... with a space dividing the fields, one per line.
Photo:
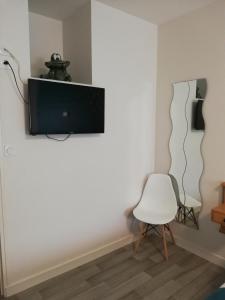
x=189 y=201
x=152 y=217
x=158 y=206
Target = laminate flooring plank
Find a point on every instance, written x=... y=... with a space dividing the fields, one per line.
x=83 y=274
x=112 y=271
x=157 y=257
x=145 y=252
x=128 y=286
x=60 y=283
x=129 y=273
x=164 y=265
x=158 y=281
x=29 y=296
x=109 y=256
x=189 y=290
x=63 y=292
x=116 y=259
x=94 y=293
x=164 y=292
x=131 y=296
x=187 y=276
x=79 y=274
x=191 y=261
x=208 y=289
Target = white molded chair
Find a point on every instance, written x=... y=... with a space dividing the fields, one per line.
x=158 y=206
x=187 y=209
x=186 y=205
x=189 y=201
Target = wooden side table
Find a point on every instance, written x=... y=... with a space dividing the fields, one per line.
x=223 y=185
x=218 y=213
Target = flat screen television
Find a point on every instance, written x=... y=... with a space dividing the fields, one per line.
x=57 y=107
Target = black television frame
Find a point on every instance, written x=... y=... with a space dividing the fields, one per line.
x=91 y=106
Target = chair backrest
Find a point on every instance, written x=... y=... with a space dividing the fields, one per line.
x=159 y=195
x=176 y=189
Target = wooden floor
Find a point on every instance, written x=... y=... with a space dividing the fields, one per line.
x=121 y=275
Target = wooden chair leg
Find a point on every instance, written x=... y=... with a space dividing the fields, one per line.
x=164 y=242
x=171 y=234
x=194 y=218
x=142 y=234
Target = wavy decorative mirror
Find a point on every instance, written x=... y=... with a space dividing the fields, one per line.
x=185 y=147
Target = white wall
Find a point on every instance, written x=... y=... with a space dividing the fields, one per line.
x=193 y=46
x=46 y=37
x=61 y=200
x=77 y=44
x=124 y=62
x=14 y=17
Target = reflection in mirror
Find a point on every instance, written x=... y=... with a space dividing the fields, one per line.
x=185 y=148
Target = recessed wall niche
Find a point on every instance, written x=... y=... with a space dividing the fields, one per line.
x=64 y=28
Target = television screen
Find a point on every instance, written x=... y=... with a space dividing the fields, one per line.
x=57 y=107
x=198 y=122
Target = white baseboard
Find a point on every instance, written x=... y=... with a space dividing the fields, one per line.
x=66 y=266
x=191 y=247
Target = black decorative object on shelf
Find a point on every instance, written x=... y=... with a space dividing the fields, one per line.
x=57 y=68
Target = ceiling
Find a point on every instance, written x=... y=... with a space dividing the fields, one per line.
x=157 y=11
x=154 y=11
x=56 y=9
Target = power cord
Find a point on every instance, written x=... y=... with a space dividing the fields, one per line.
x=16 y=61
x=7 y=63
x=58 y=140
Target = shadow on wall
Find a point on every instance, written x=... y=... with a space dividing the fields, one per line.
x=132 y=222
